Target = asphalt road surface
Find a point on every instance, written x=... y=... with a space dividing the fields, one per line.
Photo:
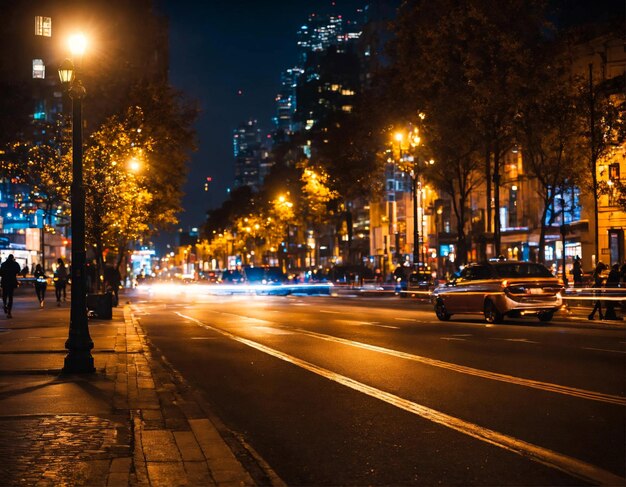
x=356 y=391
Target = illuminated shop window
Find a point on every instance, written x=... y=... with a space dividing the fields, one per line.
x=39 y=69
x=43 y=26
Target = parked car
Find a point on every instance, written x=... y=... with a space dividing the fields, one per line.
x=500 y=289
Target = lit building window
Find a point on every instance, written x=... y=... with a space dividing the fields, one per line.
x=39 y=69
x=347 y=108
x=43 y=26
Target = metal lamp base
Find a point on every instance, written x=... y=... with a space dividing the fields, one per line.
x=79 y=363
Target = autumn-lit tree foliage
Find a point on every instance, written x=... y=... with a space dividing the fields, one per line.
x=117 y=194
x=317 y=193
x=167 y=120
x=44 y=171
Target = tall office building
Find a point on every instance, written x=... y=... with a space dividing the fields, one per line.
x=286 y=100
x=251 y=155
x=320 y=32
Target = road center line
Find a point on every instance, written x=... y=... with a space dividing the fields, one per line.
x=564 y=463
x=535 y=384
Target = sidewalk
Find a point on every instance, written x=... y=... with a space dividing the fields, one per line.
x=131 y=423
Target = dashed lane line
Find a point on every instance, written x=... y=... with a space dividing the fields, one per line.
x=569 y=465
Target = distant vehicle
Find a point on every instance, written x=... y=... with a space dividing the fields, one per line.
x=231 y=276
x=498 y=290
x=349 y=274
x=264 y=275
x=210 y=276
x=423 y=281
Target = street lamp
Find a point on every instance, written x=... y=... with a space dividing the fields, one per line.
x=79 y=343
x=413 y=141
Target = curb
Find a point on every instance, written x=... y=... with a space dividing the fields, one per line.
x=176 y=437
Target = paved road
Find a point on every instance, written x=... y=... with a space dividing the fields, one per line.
x=339 y=391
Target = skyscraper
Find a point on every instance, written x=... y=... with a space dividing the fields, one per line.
x=251 y=155
x=286 y=100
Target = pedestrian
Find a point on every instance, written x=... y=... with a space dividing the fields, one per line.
x=60 y=281
x=577 y=272
x=112 y=282
x=622 y=272
x=612 y=281
x=597 y=283
x=41 y=283
x=9 y=271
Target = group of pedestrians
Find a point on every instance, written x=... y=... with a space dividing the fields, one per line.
x=10 y=269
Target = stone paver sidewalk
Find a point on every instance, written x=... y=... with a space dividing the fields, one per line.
x=133 y=422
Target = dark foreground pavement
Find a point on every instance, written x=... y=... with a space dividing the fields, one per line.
x=133 y=422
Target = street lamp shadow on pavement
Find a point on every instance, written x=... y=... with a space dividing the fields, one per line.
x=79 y=343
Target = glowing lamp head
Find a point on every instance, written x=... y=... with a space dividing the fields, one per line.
x=134 y=165
x=398 y=136
x=78 y=44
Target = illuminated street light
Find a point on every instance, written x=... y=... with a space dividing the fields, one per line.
x=134 y=165
x=79 y=343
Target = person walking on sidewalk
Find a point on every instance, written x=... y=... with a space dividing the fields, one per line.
x=41 y=283
x=577 y=272
x=8 y=273
x=60 y=281
x=597 y=283
x=612 y=281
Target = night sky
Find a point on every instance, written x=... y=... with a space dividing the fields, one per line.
x=218 y=48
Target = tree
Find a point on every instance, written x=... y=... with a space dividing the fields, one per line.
x=548 y=129
x=605 y=128
x=475 y=54
x=44 y=170
x=118 y=201
x=167 y=119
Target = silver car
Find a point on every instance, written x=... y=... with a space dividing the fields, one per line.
x=500 y=289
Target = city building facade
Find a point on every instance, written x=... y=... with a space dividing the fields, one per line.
x=127 y=44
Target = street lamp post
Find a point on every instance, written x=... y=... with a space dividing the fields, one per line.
x=413 y=141
x=416 y=232
x=79 y=343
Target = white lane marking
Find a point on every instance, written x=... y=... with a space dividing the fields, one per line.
x=330 y=312
x=535 y=384
x=367 y=323
x=518 y=340
x=385 y=326
x=203 y=338
x=564 y=463
x=604 y=350
x=453 y=338
x=272 y=331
